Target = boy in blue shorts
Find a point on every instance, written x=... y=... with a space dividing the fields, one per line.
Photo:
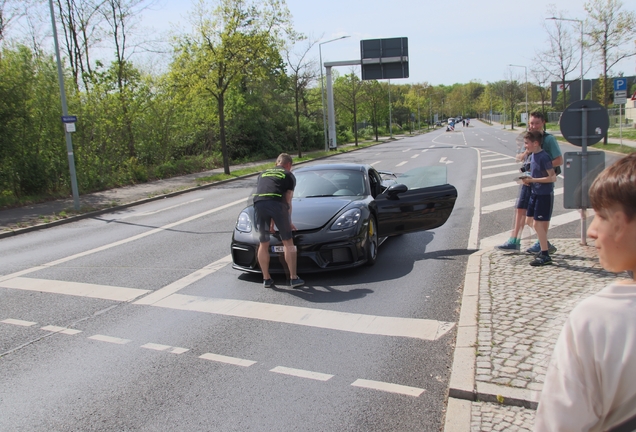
x=541 y=181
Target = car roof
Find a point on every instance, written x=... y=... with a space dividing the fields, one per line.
x=334 y=166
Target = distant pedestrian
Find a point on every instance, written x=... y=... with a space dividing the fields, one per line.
x=463 y=122
x=541 y=181
x=590 y=384
x=273 y=205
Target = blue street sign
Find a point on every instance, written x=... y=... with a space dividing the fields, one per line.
x=69 y=119
x=620 y=84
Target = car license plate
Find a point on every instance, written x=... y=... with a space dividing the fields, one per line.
x=277 y=249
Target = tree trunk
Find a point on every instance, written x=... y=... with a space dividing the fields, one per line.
x=221 y=106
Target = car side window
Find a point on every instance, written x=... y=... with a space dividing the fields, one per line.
x=376 y=183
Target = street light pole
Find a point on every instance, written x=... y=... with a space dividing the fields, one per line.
x=322 y=90
x=581 y=24
x=526 y=69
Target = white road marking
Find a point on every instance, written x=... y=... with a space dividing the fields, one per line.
x=414 y=156
x=160 y=210
x=473 y=235
x=497 y=159
x=302 y=373
x=104 y=292
x=505 y=173
x=556 y=221
x=123 y=241
x=424 y=151
x=63 y=330
x=229 y=360
x=402 y=163
x=388 y=387
x=407 y=150
x=110 y=339
x=160 y=347
x=19 y=322
x=320 y=318
x=509 y=203
x=500 y=186
x=374 y=163
x=185 y=281
x=500 y=165
x=156 y=347
x=445 y=160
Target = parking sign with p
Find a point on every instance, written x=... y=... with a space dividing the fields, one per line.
x=620 y=84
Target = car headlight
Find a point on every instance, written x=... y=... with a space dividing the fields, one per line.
x=244 y=223
x=347 y=220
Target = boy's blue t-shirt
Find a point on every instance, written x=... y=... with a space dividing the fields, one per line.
x=540 y=163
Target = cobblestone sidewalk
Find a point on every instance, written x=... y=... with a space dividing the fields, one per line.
x=520 y=311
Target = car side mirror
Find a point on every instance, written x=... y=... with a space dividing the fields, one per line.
x=396 y=189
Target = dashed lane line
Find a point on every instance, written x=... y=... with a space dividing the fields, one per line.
x=388 y=387
x=110 y=339
x=62 y=330
x=228 y=360
x=301 y=373
x=19 y=322
x=402 y=163
x=161 y=347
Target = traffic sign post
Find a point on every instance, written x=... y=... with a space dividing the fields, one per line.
x=620 y=98
x=589 y=119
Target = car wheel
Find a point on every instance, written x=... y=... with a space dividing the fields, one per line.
x=372 y=242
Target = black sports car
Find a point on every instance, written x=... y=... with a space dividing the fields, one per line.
x=343 y=212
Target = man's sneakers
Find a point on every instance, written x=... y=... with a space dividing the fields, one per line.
x=267 y=283
x=541 y=260
x=536 y=248
x=510 y=245
x=296 y=283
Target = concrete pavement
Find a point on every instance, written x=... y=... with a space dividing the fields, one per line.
x=511 y=316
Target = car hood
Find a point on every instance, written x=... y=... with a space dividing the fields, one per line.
x=314 y=213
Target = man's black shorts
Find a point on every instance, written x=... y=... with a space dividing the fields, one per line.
x=265 y=211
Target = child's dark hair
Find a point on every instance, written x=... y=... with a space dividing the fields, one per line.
x=616 y=185
x=534 y=136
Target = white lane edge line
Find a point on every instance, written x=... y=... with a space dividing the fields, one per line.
x=228 y=360
x=388 y=387
x=301 y=373
x=160 y=210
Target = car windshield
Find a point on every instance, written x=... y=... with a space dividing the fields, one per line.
x=326 y=183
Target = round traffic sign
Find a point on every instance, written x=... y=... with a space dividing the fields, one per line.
x=571 y=122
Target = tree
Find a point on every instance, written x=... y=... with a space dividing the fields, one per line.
x=303 y=73
x=376 y=103
x=347 y=93
x=611 y=32
x=559 y=59
x=231 y=43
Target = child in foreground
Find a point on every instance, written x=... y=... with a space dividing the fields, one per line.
x=591 y=381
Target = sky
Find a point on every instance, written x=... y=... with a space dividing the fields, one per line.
x=449 y=41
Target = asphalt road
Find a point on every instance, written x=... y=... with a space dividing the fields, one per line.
x=135 y=321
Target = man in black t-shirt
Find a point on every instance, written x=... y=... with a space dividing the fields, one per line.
x=273 y=205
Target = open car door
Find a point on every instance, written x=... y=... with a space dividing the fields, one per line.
x=421 y=200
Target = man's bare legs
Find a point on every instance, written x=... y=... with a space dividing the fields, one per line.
x=290 y=258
